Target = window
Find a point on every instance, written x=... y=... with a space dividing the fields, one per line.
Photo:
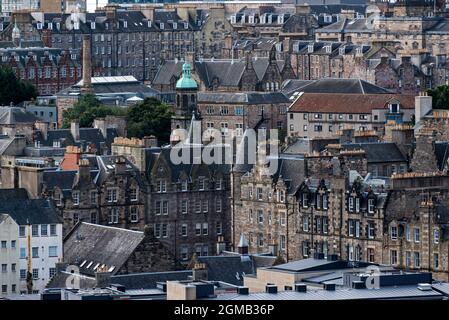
x=351 y=204
x=357 y=204
x=224 y=110
x=325 y=225
x=394 y=232
x=93 y=217
x=198 y=229
x=283 y=242
x=76 y=217
x=218 y=205
x=4 y=268
x=134 y=214
x=157 y=230
x=52 y=251
x=35 y=230
x=184 y=185
x=407 y=233
x=219 y=228
x=51 y=272
x=184 y=206
x=205 y=229
x=305 y=200
x=44 y=230
x=21 y=231
x=218 y=184
x=281 y=195
x=370 y=255
x=357 y=228
x=165 y=207
x=250 y=215
x=260 y=216
x=318 y=128
x=270 y=217
x=305 y=223
x=184 y=230
x=436 y=261
x=76 y=197
x=260 y=240
x=417 y=260
x=53 y=230
x=112 y=195
x=3 y=243
x=259 y=192
x=133 y=194
x=161 y=186
x=408 y=259
x=250 y=191
x=371 y=234
x=23 y=274
x=23 y=254
x=305 y=249
x=325 y=201
x=201 y=184
x=164 y=230
x=417 y=236
x=393 y=257
x=351 y=228
x=113 y=216
x=35 y=252
x=4 y=288
x=370 y=205
x=283 y=218
x=436 y=236
x=184 y=253
x=198 y=206
x=13 y=244
x=35 y=274
x=205 y=205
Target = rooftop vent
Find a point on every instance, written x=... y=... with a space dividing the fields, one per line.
x=358 y=284
x=271 y=288
x=329 y=286
x=243 y=290
x=300 y=287
x=424 y=286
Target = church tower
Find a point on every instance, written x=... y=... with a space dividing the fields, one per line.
x=186 y=95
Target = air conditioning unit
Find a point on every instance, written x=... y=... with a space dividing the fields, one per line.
x=424 y=286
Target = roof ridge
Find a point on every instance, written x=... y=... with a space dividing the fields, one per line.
x=109 y=227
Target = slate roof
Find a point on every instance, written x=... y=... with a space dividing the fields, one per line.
x=378 y=152
x=23 y=210
x=312 y=264
x=100 y=245
x=229 y=269
x=441 y=153
x=250 y=98
x=331 y=85
x=16 y=115
x=148 y=280
x=345 y=103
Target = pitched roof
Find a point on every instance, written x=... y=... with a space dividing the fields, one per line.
x=14 y=115
x=100 y=245
x=348 y=103
x=243 y=97
x=229 y=269
x=378 y=151
x=23 y=210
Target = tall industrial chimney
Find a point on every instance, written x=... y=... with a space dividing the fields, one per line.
x=87 y=66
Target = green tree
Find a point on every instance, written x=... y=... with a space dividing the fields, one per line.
x=14 y=90
x=440 y=97
x=87 y=109
x=150 y=117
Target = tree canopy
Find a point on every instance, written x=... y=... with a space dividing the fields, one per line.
x=440 y=97
x=13 y=89
x=87 y=109
x=149 y=117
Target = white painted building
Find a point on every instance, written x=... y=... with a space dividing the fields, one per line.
x=45 y=250
x=9 y=6
x=9 y=257
x=30 y=241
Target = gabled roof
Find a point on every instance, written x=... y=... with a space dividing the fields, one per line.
x=101 y=245
x=23 y=210
x=249 y=98
x=15 y=115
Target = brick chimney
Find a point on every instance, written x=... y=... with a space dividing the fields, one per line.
x=46 y=38
x=87 y=66
x=84 y=170
x=199 y=272
x=150 y=141
x=71 y=158
x=120 y=165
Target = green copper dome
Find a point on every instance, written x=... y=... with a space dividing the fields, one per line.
x=186 y=81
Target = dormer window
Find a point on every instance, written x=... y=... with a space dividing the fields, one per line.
x=325 y=201
x=39 y=26
x=357 y=204
x=175 y=25
x=76 y=25
x=161 y=26
x=92 y=25
x=233 y=19
x=341 y=51
x=50 y=26
x=310 y=48
x=149 y=23
x=351 y=204
x=305 y=200
x=370 y=205
x=270 y=19
x=359 y=51
x=281 y=19
x=328 y=49
x=394 y=107
x=125 y=24
x=186 y=25
x=251 y=19
x=58 y=25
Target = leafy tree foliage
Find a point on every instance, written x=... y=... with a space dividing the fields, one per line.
x=440 y=97
x=150 y=117
x=13 y=89
x=87 y=109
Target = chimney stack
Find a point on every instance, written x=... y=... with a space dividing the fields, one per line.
x=221 y=245
x=120 y=165
x=243 y=245
x=75 y=130
x=87 y=66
